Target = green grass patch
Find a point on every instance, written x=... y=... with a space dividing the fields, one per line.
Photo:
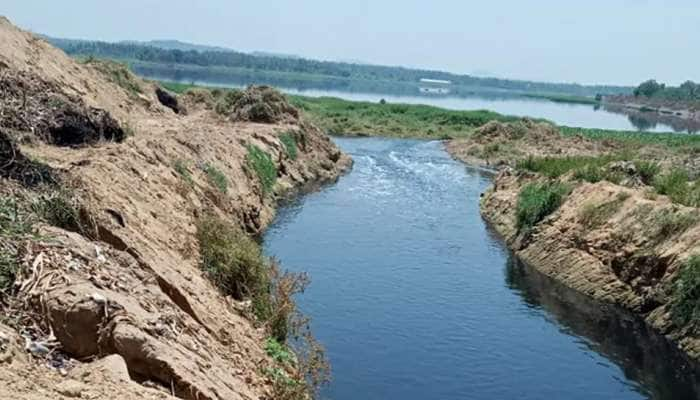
x=585 y=167
x=676 y=184
x=344 y=117
x=216 y=178
x=680 y=142
x=62 y=209
x=15 y=225
x=234 y=262
x=594 y=215
x=290 y=145
x=279 y=352
x=685 y=296
x=263 y=166
x=183 y=170
x=669 y=222
x=536 y=201
x=118 y=73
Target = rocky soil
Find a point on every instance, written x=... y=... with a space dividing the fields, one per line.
x=121 y=309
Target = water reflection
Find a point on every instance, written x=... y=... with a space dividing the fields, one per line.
x=660 y=370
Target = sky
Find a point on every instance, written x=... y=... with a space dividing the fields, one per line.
x=586 y=41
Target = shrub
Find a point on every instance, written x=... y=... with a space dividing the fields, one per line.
x=647 y=170
x=63 y=210
x=536 y=201
x=264 y=167
x=15 y=224
x=290 y=145
x=685 y=296
x=555 y=167
x=182 y=169
x=216 y=178
x=279 y=352
x=677 y=186
x=669 y=222
x=593 y=215
x=232 y=260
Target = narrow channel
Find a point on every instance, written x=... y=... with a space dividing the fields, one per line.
x=415 y=297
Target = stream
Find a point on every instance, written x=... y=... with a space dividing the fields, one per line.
x=415 y=297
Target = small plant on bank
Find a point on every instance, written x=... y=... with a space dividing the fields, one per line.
x=265 y=169
x=279 y=352
x=183 y=170
x=677 y=185
x=233 y=261
x=62 y=209
x=685 y=297
x=216 y=178
x=536 y=201
x=290 y=145
x=647 y=170
x=15 y=224
x=593 y=215
x=670 y=222
x=236 y=265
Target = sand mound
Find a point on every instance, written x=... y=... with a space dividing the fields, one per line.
x=263 y=104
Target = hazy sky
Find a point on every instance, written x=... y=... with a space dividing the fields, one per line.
x=589 y=41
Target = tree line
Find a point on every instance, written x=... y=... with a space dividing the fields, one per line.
x=688 y=91
x=148 y=53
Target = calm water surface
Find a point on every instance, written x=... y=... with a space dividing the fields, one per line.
x=415 y=298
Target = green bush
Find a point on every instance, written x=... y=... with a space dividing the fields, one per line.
x=647 y=170
x=264 y=167
x=216 y=178
x=290 y=145
x=183 y=170
x=279 y=352
x=669 y=222
x=15 y=224
x=62 y=209
x=536 y=201
x=677 y=186
x=587 y=168
x=233 y=261
x=593 y=215
x=685 y=297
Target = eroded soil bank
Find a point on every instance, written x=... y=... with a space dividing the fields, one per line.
x=599 y=216
x=110 y=300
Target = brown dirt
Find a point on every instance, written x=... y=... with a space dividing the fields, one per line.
x=132 y=296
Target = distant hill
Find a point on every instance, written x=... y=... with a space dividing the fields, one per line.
x=177 y=45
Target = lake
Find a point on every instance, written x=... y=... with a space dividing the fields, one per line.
x=416 y=298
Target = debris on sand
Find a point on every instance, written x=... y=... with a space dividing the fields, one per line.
x=263 y=104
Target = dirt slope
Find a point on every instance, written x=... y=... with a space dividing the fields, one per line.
x=620 y=243
x=134 y=291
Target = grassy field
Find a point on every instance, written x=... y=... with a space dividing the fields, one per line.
x=563 y=98
x=343 y=117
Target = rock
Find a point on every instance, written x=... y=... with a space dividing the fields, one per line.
x=70 y=388
x=170 y=101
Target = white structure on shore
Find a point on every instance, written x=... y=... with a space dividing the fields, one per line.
x=434 y=86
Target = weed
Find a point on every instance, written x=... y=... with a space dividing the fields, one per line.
x=290 y=145
x=61 y=209
x=668 y=222
x=585 y=167
x=593 y=215
x=677 y=186
x=647 y=170
x=182 y=169
x=264 y=167
x=15 y=224
x=685 y=297
x=279 y=352
x=233 y=261
x=216 y=178
x=536 y=201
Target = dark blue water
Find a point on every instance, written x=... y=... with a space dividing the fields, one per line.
x=415 y=298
